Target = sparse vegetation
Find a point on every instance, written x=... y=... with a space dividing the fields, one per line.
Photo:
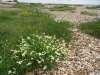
x=79 y=5
x=62 y=8
x=93 y=7
x=92 y=28
x=89 y=13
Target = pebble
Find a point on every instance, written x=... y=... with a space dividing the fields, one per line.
x=85 y=56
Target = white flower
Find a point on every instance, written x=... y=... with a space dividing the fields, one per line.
x=42 y=60
x=28 y=38
x=47 y=47
x=45 y=67
x=9 y=72
x=57 y=59
x=0 y=56
x=19 y=62
x=29 y=63
x=0 y=61
x=31 y=53
x=25 y=45
x=52 y=57
x=58 y=53
x=40 y=54
x=39 y=61
x=23 y=54
x=15 y=51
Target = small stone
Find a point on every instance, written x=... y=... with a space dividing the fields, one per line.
x=93 y=73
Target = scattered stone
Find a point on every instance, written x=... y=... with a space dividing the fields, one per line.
x=85 y=50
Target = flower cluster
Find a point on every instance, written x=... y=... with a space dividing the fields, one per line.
x=38 y=52
x=24 y=14
x=58 y=20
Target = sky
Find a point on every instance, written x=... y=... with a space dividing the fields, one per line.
x=63 y=1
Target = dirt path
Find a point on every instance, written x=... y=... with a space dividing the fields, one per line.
x=85 y=57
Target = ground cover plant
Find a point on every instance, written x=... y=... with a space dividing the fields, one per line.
x=28 y=5
x=37 y=5
x=92 y=28
x=25 y=22
x=79 y=5
x=89 y=13
x=62 y=8
x=94 y=7
x=36 y=52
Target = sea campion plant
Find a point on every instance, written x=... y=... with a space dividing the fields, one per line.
x=37 y=52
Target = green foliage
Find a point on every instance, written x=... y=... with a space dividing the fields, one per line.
x=92 y=28
x=35 y=52
x=62 y=8
x=93 y=7
x=12 y=26
x=79 y=5
x=36 y=5
x=28 y=5
x=4 y=16
x=89 y=13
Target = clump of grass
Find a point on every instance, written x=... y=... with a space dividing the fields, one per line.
x=92 y=28
x=93 y=7
x=62 y=8
x=89 y=13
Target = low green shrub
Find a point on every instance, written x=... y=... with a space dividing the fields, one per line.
x=79 y=5
x=37 y=52
x=92 y=28
x=62 y=8
x=89 y=13
x=93 y=7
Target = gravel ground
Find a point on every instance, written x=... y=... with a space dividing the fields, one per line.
x=85 y=50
